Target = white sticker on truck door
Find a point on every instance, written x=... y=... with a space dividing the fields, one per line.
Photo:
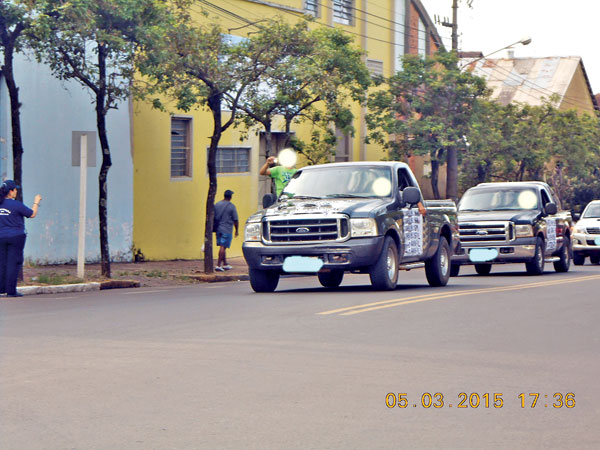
x=551 y=234
x=413 y=232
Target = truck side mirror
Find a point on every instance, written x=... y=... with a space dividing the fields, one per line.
x=551 y=208
x=411 y=195
x=268 y=200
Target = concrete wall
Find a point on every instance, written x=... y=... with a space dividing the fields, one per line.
x=51 y=111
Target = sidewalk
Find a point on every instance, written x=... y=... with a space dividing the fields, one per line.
x=63 y=277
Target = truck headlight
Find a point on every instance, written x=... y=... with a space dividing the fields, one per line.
x=363 y=227
x=523 y=231
x=580 y=229
x=252 y=231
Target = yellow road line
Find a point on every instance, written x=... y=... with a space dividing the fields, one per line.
x=351 y=310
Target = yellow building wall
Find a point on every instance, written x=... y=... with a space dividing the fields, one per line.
x=577 y=95
x=169 y=214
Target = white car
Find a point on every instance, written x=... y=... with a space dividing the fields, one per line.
x=586 y=235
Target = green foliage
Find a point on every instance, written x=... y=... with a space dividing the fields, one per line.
x=425 y=108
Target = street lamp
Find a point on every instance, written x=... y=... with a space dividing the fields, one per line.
x=524 y=41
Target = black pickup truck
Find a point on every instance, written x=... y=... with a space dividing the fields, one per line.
x=363 y=217
x=513 y=222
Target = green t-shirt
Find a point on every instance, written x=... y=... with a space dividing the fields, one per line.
x=281 y=175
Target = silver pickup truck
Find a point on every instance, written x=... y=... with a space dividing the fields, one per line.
x=362 y=217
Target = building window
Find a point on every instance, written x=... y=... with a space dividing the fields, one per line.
x=375 y=67
x=312 y=7
x=342 y=11
x=399 y=32
x=233 y=159
x=181 y=147
x=342 y=151
x=422 y=39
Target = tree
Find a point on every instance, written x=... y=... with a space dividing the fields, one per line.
x=94 y=43
x=425 y=109
x=15 y=20
x=200 y=67
x=316 y=75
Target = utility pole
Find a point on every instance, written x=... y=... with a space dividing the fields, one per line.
x=451 y=150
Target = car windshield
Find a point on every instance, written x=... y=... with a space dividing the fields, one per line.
x=592 y=211
x=340 y=182
x=498 y=200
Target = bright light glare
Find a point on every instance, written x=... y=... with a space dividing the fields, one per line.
x=382 y=187
x=527 y=200
x=287 y=157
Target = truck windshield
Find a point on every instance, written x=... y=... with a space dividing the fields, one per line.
x=341 y=182
x=497 y=200
x=592 y=211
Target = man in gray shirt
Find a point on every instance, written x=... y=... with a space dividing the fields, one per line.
x=226 y=217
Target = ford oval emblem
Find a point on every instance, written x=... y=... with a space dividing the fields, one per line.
x=302 y=230
x=481 y=232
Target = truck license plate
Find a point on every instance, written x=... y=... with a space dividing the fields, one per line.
x=480 y=255
x=302 y=264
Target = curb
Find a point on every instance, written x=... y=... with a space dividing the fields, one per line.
x=213 y=278
x=78 y=287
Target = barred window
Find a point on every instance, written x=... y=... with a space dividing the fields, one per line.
x=342 y=11
x=233 y=159
x=344 y=146
x=312 y=7
x=180 y=147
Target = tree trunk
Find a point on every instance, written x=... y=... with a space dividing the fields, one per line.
x=452 y=173
x=15 y=115
x=435 y=171
x=214 y=103
x=106 y=163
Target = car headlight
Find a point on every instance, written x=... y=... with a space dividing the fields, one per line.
x=252 y=231
x=363 y=227
x=524 y=230
x=579 y=229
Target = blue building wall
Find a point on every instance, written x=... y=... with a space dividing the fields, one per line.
x=51 y=110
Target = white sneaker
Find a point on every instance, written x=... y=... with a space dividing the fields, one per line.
x=227 y=267
x=219 y=269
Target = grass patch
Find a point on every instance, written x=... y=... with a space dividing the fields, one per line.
x=157 y=274
x=55 y=279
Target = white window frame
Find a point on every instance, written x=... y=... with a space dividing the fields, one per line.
x=233 y=147
x=187 y=148
x=343 y=12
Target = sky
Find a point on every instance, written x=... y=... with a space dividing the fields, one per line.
x=556 y=28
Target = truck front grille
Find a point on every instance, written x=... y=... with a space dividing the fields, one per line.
x=485 y=232
x=309 y=229
x=593 y=230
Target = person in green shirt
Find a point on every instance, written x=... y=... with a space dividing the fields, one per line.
x=280 y=174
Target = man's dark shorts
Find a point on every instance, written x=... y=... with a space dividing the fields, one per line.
x=224 y=239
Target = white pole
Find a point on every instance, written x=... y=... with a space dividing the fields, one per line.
x=82 y=205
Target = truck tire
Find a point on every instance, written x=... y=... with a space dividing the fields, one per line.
x=384 y=273
x=483 y=269
x=578 y=259
x=563 y=264
x=454 y=270
x=595 y=259
x=263 y=280
x=536 y=265
x=331 y=279
x=437 y=268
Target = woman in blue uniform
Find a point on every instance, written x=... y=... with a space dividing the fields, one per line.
x=12 y=235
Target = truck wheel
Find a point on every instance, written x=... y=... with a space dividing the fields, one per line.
x=595 y=259
x=563 y=264
x=454 y=270
x=384 y=273
x=536 y=265
x=263 y=280
x=483 y=269
x=331 y=279
x=578 y=259
x=437 y=268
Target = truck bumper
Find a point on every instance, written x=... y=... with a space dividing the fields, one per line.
x=522 y=250
x=353 y=254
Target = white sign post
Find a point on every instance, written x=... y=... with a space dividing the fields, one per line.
x=83 y=151
x=82 y=204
